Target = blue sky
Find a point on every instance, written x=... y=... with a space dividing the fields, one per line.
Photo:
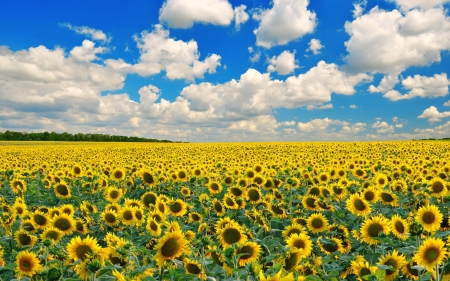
x=217 y=70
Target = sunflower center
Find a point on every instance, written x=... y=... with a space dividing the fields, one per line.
x=314 y=191
x=374 y=229
x=110 y=218
x=114 y=194
x=337 y=190
x=214 y=186
x=82 y=251
x=62 y=224
x=437 y=187
x=52 y=235
x=323 y=177
x=381 y=181
x=299 y=244
x=176 y=207
x=331 y=247
x=250 y=174
x=236 y=191
x=399 y=226
x=277 y=210
x=431 y=255
x=359 y=205
x=25 y=264
x=258 y=180
x=359 y=172
x=138 y=215
x=149 y=199
x=292 y=261
x=218 y=207
x=62 y=189
x=148 y=178
x=118 y=174
x=247 y=252
x=364 y=271
x=77 y=170
x=153 y=226
x=394 y=264
x=387 y=197
x=229 y=202
x=253 y=194
x=369 y=195
x=195 y=217
x=311 y=202
x=162 y=207
x=231 y=235
x=317 y=223
x=24 y=239
x=193 y=268
x=128 y=215
x=428 y=218
x=170 y=248
x=181 y=175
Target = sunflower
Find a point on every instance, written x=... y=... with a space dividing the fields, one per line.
x=232 y=233
x=410 y=272
x=429 y=217
x=20 y=208
x=253 y=194
x=396 y=261
x=276 y=277
x=161 y=207
x=63 y=222
x=301 y=243
x=127 y=215
x=389 y=198
x=362 y=268
x=80 y=249
x=399 y=186
x=28 y=225
x=23 y=238
x=249 y=252
x=113 y=207
x=437 y=187
x=153 y=227
x=330 y=245
x=229 y=202
x=62 y=190
x=278 y=211
x=293 y=228
x=324 y=177
x=27 y=264
x=185 y=191
x=250 y=173
x=372 y=227
x=292 y=259
x=149 y=199
x=431 y=253
x=357 y=205
x=177 y=208
x=236 y=191
x=113 y=194
x=118 y=174
x=195 y=217
x=310 y=202
x=193 y=267
x=215 y=187
x=170 y=246
x=399 y=227
x=110 y=217
x=381 y=180
x=218 y=207
x=317 y=223
x=259 y=179
x=371 y=194
x=53 y=234
x=18 y=186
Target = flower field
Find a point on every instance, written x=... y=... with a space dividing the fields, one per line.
x=238 y=211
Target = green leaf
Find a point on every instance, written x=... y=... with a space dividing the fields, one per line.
x=407 y=250
x=313 y=277
x=380 y=274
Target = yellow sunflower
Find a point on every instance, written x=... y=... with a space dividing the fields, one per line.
x=170 y=246
x=381 y=180
x=292 y=259
x=127 y=215
x=80 y=249
x=330 y=245
x=431 y=253
x=229 y=202
x=249 y=252
x=253 y=194
x=62 y=190
x=395 y=260
x=23 y=238
x=362 y=268
x=153 y=227
x=232 y=233
x=371 y=194
x=276 y=277
x=389 y=198
x=193 y=267
x=357 y=205
x=218 y=207
x=301 y=243
x=437 y=187
x=63 y=222
x=110 y=217
x=113 y=194
x=27 y=264
x=53 y=234
x=429 y=217
x=149 y=199
x=177 y=208
x=399 y=227
x=310 y=202
x=317 y=223
x=118 y=174
x=215 y=187
x=147 y=177
x=293 y=228
x=372 y=227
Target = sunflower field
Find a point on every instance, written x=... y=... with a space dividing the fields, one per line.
x=237 y=211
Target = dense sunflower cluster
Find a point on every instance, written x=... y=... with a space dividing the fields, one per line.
x=248 y=211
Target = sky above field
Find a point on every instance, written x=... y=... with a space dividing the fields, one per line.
x=218 y=70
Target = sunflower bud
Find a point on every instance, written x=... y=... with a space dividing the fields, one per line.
x=416 y=228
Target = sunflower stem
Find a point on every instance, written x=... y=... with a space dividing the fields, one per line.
x=437 y=273
x=129 y=250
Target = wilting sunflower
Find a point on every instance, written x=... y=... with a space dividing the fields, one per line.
x=429 y=217
x=395 y=260
x=357 y=205
x=170 y=246
x=80 y=249
x=113 y=194
x=110 y=217
x=372 y=227
x=27 y=264
x=293 y=228
x=437 y=187
x=53 y=234
x=431 y=253
x=215 y=187
x=63 y=222
x=62 y=190
x=153 y=227
x=218 y=207
x=232 y=233
x=23 y=238
x=317 y=223
x=177 y=208
x=399 y=227
x=193 y=267
x=249 y=252
x=362 y=268
x=301 y=243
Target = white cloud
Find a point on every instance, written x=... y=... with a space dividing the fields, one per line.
x=395 y=119
x=433 y=115
x=315 y=46
x=319 y=107
x=353 y=106
x=398 y=125
x=240 y=16
x=387 y=83
x=421 y=86
x=389 y=42
x=288 y=123
x=383 y=127
x=447 y=103
x=87 y=51
x=359 y=8
x=179 y=59
x=92 y=33
x=328 y=127
x=283 y=64
x=183 y=14
x=286 y=21
x=407 y=5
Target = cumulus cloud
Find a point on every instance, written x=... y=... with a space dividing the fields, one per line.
x=87 y=51
x=286 y=21
x=447 y=103
x=183 y=14
x=433 y=115
x=315 y=46
x=159 y=52
x=329 y=128
x=358 y=8
x=383 y=127
x=388 y=42
x=407 y=5
x=283 y=64
x=387 y=83
x=319 y=107
x=421 y=86
x=93 y=34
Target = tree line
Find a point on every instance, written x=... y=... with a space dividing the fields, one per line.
x=46 y=136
